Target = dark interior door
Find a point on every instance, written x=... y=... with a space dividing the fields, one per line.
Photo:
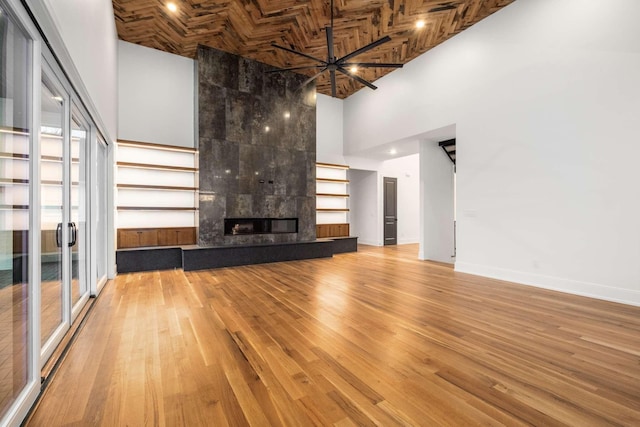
x=390 y=211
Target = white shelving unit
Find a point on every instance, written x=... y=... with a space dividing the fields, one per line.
x=332 y=200
x=157 y=194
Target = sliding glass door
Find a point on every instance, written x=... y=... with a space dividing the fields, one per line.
x=49 y=260
x=64 y=135
x=17 y=375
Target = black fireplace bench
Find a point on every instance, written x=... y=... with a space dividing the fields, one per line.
x=192 y=258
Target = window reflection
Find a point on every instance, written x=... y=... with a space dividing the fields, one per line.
x=14 y=210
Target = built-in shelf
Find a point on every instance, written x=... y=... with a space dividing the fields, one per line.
x=332 y=200
x=332 y=166
x=156 y=208
x=331 y=195
x=156 y=167
x=151 y=145
x=345 y=181
x=157 y=199
x=156 y=187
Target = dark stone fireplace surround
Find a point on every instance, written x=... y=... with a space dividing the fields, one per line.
x=257 y=149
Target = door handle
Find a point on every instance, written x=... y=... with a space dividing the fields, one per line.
x=59 y=235
x=74 y=234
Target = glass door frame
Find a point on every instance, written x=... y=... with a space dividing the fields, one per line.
x=30 y=391
x=98 y=202
x=85 y=205
x=49 y=346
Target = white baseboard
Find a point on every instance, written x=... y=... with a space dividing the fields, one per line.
x=575 y=287
x=407 y=241
x=368 y=242
x=374 y=243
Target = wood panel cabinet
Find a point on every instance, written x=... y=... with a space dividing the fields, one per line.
x=176 y=236
x=141 y=237
x=332 y=230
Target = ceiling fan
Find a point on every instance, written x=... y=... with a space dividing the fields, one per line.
x=333 y=64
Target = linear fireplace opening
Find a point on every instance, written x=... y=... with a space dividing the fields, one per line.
x=244 y=226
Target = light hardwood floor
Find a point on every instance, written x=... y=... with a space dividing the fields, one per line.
x=369 y=338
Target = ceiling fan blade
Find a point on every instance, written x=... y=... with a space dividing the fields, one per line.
x=371 y=65
x=329 y=31
x=357 y=78
x=310 y=79
x=443 y=8
x=370 y=46
x=307 y=67
x=333 y=83
x=299 y=53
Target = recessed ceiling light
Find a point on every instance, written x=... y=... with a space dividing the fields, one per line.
x=172 y=7
x=267 y=128
x=287 y=115
x=420 y=24
x=393 y=151
x=354 y=69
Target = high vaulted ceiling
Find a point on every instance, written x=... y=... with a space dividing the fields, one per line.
x=249 y=27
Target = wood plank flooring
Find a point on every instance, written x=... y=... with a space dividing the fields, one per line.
x=369 y=338
x=13 y=332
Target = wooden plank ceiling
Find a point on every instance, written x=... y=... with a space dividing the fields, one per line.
x=249 y=27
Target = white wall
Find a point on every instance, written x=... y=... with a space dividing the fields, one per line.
x=436 y=201
x=365 y=214
x=407 y=171
x=83 y=36
x=156 y=93
x=329 y=130
x=544 y=95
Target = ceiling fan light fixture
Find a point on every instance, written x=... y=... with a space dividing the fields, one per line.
x=334 y=64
